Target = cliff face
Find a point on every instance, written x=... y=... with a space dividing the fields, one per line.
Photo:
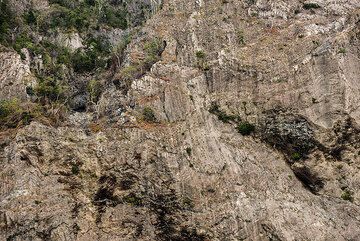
x=216 y=120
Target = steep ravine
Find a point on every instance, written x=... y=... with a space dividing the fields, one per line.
x=180 y=120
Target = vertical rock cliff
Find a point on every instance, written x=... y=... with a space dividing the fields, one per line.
x=180 y=120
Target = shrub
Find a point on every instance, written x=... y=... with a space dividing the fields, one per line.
x=115 y=18
x=347 y=195
x=311 y=6
x=133 y=199
x=75 y=169
x=188 y=151
x=50 y=89
x=153 y=50
x=149 y=115
x=214 y=108
x=94 y=90
x=13 y=113
x=24 y=41
x=83 y=61
x=95 y=56
x=296 y=156
x=188 y=203
x=200 y=54
x=67 y=18
x=222 y=116
x=240 y=37
x=30 y=17
x=342 y=51
x=7 y=21
x=245 y=128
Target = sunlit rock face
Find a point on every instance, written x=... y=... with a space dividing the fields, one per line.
x=214 y=120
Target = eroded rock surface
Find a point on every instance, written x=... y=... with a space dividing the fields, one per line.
x=111 y=172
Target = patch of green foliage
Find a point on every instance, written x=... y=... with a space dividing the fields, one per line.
x=308 y=6
x=149 y=115
x=347 y=195
x=94 y=90
x=222 y=115
x=245 y=128
x=188 y=203
x=7 y=22
x=201 y=60
x=188 y=151
x=75 y=169
x=82 y=16
x=14 y=114
x=115 y=18
x=95 y=56
x=30 y=17
x=296 y=156
x=342 y=51
x=200 y=54
x=153 y=49
x=240 y=37
x=50 y=89
x=133 y=199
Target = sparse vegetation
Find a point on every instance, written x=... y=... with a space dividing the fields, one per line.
x=240 y=37
x=245 y=128
x=342 y=51
x=188 y=203
x=296 y=156
x=149 y=115
x=152 y=50
x=75 y=169
x=308 y=6
x=94 y=90
x=222 y=116
x=14 y=114
x=200 y=54
x=188 y=151
x=50 y=89
x=7 y=22
x=347 y=195
x=201 y=60
x=133 y=199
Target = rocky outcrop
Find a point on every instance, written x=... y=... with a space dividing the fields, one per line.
x=15 y=75
x=111 y=172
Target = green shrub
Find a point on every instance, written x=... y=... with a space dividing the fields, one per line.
x=13 y=113
x=94 y=57
x=240 y=37
x=188 y=203
x=347 y=195
x=188 y=151
x=94 y=90
x=153 y=50
x=7 y=22
x=311 y=6
x=296 y=156
x=24 y=41
x=50 y=89
x=115 y=18
x=200 y=54
x=342 y=51
x=222 y=116
x=245 y=128
x=133 y=199
x=149 y=115
x=75 y=169
x=30 y=17
x=68 y=18
x=83 y=61
x=214 y=108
